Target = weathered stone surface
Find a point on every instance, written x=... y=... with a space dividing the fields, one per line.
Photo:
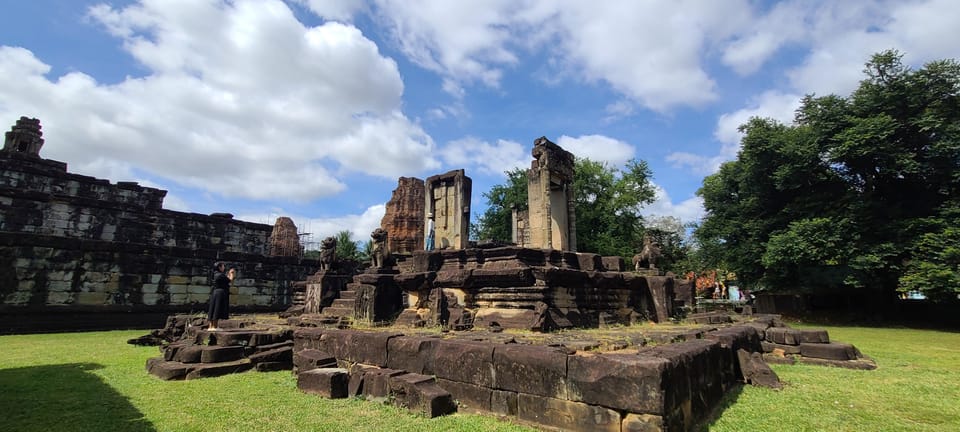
x=756 y=372
x=404 y=216
x=551 y=215
x=660 y=291
x=858 y=364
x=769 y=347
x=642 y=423
x=531 y=369
x=471 y=397
x=282 y=354
x=219 y=369
x=504 y=402
x=167 y=370
x=273 y=366
x=309 y=359
x=326 y=382
x=621 y=381
x=447 y=199
x=376 y=382
x=218 y=354
x=465 y=362
x=421 y=394
x=284 y=239
x=814 y=336
x=829 y=351
x=358 y=372
x=412 y=354
x=783 y=335
x=566 y=415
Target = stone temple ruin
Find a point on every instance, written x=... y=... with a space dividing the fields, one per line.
x=458 y=327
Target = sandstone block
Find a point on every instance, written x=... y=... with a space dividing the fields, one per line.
x=219 y=369
x=282 y=354
x=327 y=382
x=421 y=394
x=829 y=351
x=167 y=370
x=465 y=362
x=472 y=397
x=642 y=423
x=531 y=369
x=814 y=336
x=412 y=354
x=308 y=359
x=783 y=335
x=220 y=354
x=567 y=415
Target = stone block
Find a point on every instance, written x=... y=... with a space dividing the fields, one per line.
x=769 y=347
x=412 y=354
x=829 y=351
x=167 y=370
x=471 y=397
x=532 y=369
x=220 y=354
x=504 y=402
x=756 y=372
x=421 y=394
x=357 y=374
x=310 y=359
x=177 y=289
x=282 y=354
x=814 y=336
x=90 y=298
x=621 y=381
x=566 y=415
x=783 y=335
x=642 y=423
x=219 y=369
x=273 y=366
x=465 y=362
x=198 y=289
x=188 y=354
x=327 y=382
x=376 y=382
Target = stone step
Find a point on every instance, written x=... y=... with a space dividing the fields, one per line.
x=348 y=294
x=344 y=303
x=338 y=311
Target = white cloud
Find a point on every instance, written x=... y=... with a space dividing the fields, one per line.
x=598 y=148
x=359 y=225
x=488 y=158
x=237 y=98
x=338 y=10
x=688 y=210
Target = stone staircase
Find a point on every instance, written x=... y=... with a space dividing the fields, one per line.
x=344 y=306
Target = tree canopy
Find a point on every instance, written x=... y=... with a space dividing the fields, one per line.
x=607 y=204
x=859 y=193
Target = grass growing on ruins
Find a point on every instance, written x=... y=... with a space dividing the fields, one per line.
x=95 y=381
x=915 y=387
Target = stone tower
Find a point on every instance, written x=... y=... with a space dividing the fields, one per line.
x=24 y=137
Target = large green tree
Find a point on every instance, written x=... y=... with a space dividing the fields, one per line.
x=857 y=194
x=607 y=205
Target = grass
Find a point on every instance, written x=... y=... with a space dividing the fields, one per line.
x=95 y=381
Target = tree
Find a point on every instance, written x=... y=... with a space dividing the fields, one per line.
x=347 y=248
x=848 y=196
x=607 y=204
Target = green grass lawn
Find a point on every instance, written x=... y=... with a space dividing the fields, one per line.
x=96 y=382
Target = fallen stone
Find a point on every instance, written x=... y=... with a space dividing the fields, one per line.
x=784 y=349
x=814 y=336
x=220 y=354
x=210 y=370
x=783 y=335
x=421 y=394
x=858 y=364
x=756 y=372
x=273 y=366
x=282 y=354
x=642 y=423
x=327 y=382
x=376 y=382
x=830 y=351
x=309 y=359
x=188 y=354
x=168 y=370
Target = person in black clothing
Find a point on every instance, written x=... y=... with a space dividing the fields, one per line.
x=220 y=296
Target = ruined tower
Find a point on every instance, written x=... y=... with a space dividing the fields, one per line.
x=447 y=200
x=24 y=137
x=551 y=219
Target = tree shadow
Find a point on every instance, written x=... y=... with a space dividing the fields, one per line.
x=64 y=397
x=728 y=400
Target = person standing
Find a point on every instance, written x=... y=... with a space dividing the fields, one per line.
x=219 y=296
x=428 y=245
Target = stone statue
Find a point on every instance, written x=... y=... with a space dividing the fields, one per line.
x=379 y=253
x=328 y=253
x=649 y=255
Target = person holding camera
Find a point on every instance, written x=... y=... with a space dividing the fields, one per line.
x=220 y=296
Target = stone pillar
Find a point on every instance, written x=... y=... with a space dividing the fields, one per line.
x=447 y=198
x=550 y=197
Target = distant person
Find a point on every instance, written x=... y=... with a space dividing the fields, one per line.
x=220 y=295
x=428 y=245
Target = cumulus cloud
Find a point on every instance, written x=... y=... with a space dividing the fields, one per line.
x=359 y=225
x=598 y=148
x=688 y=210
x=237 y=98
x=488 y=158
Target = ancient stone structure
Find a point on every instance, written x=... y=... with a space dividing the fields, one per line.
x=24 y=137
x=328 y=254
x=647 y=258
x=78 y=252
x=404 y=216
x=550 y=217
x=379 y=255
x=284 y=239
x=447 y=198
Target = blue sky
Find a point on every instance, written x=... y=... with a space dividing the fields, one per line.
x=312 y=108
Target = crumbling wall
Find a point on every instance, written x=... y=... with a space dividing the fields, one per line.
x=404 y=217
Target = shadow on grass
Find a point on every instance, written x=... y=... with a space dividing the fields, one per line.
x=64 y=397
x=727 y=401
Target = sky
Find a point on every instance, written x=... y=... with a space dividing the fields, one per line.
x=312 y=109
